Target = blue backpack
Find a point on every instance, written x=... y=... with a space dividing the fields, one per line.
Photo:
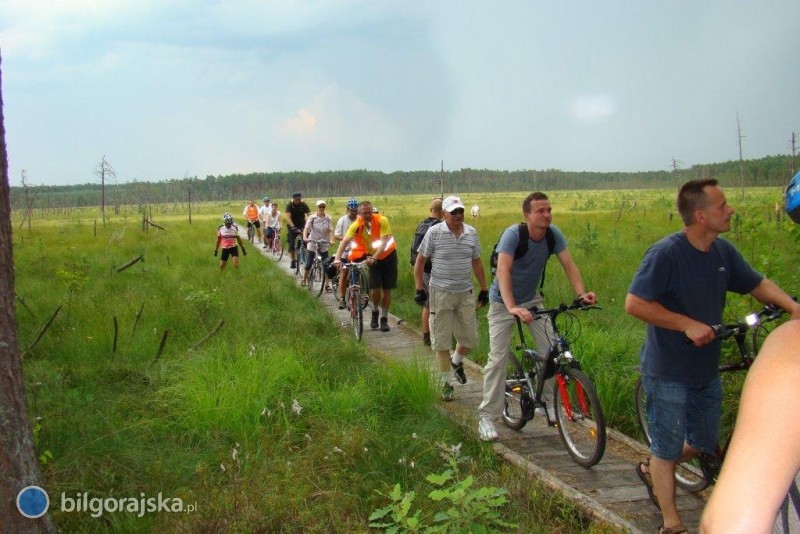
x=792 y=202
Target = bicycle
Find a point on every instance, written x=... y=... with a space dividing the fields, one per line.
x=357 y=294
x=277 y=246
x=578 y=414
x=316 y=273
x=698 y=473
x=299 y=253
x=251 y=232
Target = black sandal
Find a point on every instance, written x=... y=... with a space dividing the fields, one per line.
x=647 y=480
x=677 y=529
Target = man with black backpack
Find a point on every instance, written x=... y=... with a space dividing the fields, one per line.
x=521 y=261
x=437 y=214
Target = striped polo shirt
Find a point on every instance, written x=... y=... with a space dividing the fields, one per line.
x=451 y=258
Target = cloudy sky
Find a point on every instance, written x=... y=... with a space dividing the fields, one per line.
x=170 y=88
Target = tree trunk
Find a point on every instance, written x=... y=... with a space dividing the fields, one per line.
x=19 y=466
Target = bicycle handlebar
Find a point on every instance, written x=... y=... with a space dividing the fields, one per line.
x=577 y=304
x=768 y=313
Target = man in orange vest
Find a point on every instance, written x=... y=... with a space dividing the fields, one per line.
x=371 y=232
x=250 y=214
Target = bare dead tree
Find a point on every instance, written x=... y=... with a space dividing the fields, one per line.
x=20 y=467
x=676 y=168
x=106 y=172
x=741 y=160
x=794 y=152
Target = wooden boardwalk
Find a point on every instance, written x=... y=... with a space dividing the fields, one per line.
x=609 y=492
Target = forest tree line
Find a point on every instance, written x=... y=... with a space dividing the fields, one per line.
x=767 y=171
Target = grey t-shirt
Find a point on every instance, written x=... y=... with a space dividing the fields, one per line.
x=526 y=272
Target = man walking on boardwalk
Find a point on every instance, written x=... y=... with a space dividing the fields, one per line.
x=455 y=250
x=679 y=291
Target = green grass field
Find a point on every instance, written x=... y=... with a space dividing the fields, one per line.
x=281 y=421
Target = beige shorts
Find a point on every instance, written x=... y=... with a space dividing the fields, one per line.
x=452 y=316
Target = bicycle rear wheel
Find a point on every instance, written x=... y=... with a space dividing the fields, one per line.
x=517 y=399
x=688 y=475
x=277 y=249
x=579 y=417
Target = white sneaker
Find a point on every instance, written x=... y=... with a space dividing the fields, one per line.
x=551 y=413
x=486 y=430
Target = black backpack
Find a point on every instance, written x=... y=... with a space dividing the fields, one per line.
x=522 y=248
x=419 y=234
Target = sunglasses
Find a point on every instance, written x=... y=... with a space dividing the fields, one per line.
x=457 y=211
x=321 y=206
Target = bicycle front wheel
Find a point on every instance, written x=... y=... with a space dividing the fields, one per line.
x=312 y=279
x=319 y=277
x=357 y=315
x=579 y=417
x=689 y=474
x=363 y=282
x=517 y=397
x=277 y=249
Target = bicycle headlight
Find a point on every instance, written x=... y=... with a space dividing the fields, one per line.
x=752 y=320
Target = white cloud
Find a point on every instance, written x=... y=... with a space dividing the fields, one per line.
x=591 y=108
x=303 y=123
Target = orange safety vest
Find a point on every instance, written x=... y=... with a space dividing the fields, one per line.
x=376 y=236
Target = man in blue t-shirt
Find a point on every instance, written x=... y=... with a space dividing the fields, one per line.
x=514 y=291
x=679 y=291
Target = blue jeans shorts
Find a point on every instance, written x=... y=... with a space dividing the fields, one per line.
x=679 y=412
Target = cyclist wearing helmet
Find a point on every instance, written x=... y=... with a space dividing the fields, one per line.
x=351 y=254
x=228 y=237
x=295 y=215
x=250 y=214
x=263 y=213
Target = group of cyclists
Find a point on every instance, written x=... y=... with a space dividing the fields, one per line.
x=678 y=291
x=362 y=234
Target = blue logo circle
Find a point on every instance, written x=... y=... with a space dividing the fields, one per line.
x=33 y=502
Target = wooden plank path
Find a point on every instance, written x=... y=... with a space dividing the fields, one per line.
x=609 y=492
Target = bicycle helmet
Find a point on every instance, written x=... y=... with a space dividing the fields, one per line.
x=227 y=218
x=266 y=199
x=352 y=204
x=792 y=204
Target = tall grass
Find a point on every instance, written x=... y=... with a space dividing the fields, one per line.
x=280 y=422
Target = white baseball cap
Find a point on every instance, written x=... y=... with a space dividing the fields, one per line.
x=452 y=203
x=321 y=203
